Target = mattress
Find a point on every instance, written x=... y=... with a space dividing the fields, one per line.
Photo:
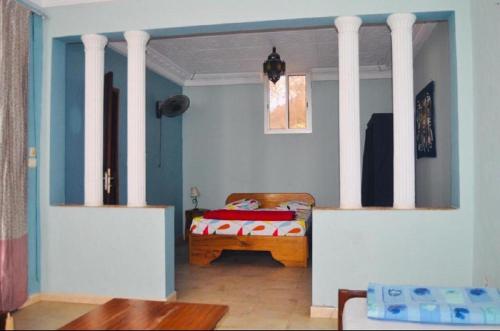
x=355 y=318
x=295 y=228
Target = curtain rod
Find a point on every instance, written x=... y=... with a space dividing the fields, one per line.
x=33 y=7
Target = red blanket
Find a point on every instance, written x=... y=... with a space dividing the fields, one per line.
x=250 y=215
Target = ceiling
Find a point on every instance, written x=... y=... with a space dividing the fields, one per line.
x=54 y=3
x=303 y=50
x=238 y=57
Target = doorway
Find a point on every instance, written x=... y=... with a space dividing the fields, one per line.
x=111 y=136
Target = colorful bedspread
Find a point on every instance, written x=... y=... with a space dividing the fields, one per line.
x=474 y=306
x=250 y=215
x=297 y=227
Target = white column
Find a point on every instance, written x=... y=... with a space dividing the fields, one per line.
x=403 y=107
x=136 y=118
x=349 y=131
x=94 y=103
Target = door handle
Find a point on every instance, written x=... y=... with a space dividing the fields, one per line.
x=107 y=181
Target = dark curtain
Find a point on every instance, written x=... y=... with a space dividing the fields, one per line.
x=377 y=183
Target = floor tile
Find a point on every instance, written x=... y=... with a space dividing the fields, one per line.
x=260 y=292
x=48 y=315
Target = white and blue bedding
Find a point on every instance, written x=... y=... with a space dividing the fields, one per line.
x=464 y=306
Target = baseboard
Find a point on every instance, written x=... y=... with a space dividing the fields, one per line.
x=172 y=297
x=75 y=298
x=324 y=312
x=34 y=298
x=82 y=299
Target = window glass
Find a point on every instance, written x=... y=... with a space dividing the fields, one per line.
x=297 y=102
x=278 y=105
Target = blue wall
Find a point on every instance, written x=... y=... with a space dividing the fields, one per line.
x=110 y=252
x=164 y=184
x=354 y=247
x=57 y=136
x=430 y=247
x=432 y=175
x=170 y=18
x=486 y=29
x=35 y=81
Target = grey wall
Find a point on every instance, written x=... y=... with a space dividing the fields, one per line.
x=433 y=175
x=226 y=150
x=486 y=32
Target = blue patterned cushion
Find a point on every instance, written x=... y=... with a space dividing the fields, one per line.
x=476 y=306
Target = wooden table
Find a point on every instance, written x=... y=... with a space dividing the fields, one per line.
x=123 y=314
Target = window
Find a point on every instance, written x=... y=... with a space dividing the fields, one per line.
x=288 y=106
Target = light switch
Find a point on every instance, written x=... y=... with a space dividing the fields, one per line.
x=32 y=152
x=32 y=162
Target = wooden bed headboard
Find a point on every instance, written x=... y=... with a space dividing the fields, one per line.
x=271 y=200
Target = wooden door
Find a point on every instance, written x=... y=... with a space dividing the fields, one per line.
x=111 y=125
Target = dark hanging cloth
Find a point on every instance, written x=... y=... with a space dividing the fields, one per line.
x=377 y=183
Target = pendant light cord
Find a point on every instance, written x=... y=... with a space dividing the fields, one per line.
x=161 y=138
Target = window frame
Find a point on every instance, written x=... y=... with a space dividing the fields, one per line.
x=308 y=129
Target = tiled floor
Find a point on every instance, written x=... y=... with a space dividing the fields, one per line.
x=48 y=315
x=261 y=294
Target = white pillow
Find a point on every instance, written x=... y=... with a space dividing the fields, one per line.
x=294 y=205
x=243 y=204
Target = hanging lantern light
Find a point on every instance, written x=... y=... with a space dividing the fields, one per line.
x=274 y=68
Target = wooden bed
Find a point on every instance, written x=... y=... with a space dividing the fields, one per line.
x=290 y=251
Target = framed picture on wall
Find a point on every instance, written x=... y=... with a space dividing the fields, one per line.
x=425 y=134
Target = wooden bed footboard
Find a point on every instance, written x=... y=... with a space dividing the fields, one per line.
x=290 y=251
x=344 y=296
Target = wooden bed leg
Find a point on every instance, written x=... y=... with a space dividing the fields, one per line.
x=292 y=258
x=201 y=255
x=290 y=263
x=203 y=258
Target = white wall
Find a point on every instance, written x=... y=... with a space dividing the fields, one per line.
x=433 y=175
x=486 y=37
x=226 y=150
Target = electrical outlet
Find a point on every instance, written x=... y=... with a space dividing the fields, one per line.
x=486 y=281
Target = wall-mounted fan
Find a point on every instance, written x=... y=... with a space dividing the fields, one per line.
x=173 y=106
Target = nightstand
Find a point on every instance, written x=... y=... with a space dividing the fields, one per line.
x=190 y=214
